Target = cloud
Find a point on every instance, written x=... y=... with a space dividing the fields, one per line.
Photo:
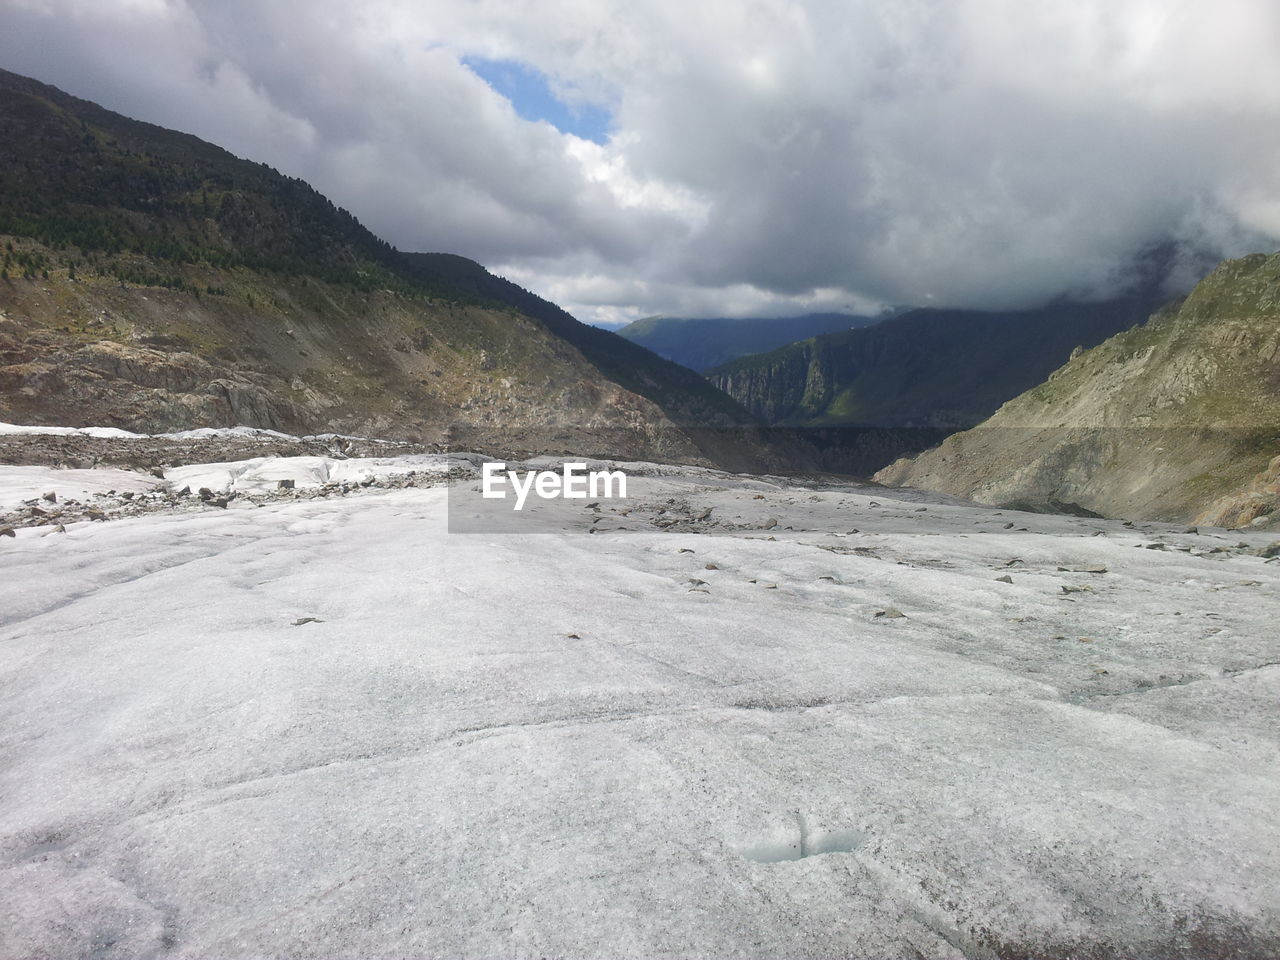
x=763 y=156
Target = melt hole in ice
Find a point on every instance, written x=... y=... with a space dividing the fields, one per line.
x=797 y=841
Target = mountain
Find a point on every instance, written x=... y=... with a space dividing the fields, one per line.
x=1176 y=420
x=870 y=395
x=154 y=281
x=701 y=343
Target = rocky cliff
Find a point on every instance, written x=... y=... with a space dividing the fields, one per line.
x=1175 y=420
x=924 y=368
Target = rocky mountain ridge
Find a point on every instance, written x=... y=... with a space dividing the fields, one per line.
x=1175 y=420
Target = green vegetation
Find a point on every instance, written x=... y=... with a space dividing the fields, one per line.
x=707 y=342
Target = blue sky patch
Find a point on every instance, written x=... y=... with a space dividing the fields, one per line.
x=531 y=95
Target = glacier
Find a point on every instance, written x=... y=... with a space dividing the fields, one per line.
x=330 y=728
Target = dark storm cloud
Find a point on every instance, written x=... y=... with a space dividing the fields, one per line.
x=767 y=156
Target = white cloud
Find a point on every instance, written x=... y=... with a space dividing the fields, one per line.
x=767 y=155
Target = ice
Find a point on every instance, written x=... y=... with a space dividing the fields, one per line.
x=505 y=745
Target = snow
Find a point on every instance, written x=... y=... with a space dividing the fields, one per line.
x=506 y=745
x=200 y=433
x=21 y=483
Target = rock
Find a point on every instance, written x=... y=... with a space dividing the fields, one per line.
x=1273 y=550
x=891 y=613
x=205 y=494
x=684 y=550
x=1008 y=526
x=301 y=620
x=758 y=496
x=1015 y=560
x=157 y=472
x=1070 y=589
x=696 y=582
x=572 y=636
x=7 y=532
x=1005 y=579
x=710 y=566
x=704 y=514
x=285 y=484
x=769 y=586
x=770 y=523
x=51 y=496
x=1090 y=568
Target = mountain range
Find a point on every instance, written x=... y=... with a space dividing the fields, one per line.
x=153 y=281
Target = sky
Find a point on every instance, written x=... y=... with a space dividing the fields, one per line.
x=627 y=158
